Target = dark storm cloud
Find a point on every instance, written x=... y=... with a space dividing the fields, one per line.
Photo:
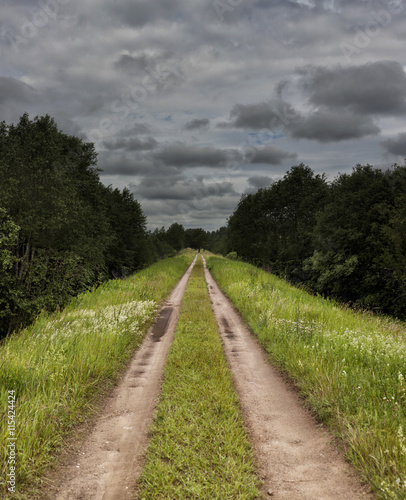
x=373 y=88
x=154 y=70
x=137 y=129
x=133 y=144
x=120 y=166
x=256 y=182
x=271 y=155
x=344 y=103
x=143 y=62
x=263 y=115
x=187 y=155
x=210 y=213
x=144 y=11
x=197 y=124
x=166 y=162
x=133 y=64
x=259 y=181
x=180 y=188
x=333 y=125
x=114 y=70
x=13 y=89
x=396 y=146
x=323 y=125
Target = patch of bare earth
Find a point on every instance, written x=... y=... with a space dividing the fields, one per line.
x=110 y=459
x=296 y=457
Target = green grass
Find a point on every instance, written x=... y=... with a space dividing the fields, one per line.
x=198 y=447
x=63 y=360
x=350 y=366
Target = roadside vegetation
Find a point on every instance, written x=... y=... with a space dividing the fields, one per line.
x=350 y=366
x=199 y=448
x=56 y=365
x=344 y=239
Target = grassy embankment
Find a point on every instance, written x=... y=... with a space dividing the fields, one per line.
x=350 y=366
x=57 y=364
x=198 y=448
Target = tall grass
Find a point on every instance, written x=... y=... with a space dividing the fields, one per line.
x=56 y=365
x=350 y=366
x=198 y=447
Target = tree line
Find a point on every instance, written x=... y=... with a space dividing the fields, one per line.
x=177 y=237
x=345 y=238
x=62 y=231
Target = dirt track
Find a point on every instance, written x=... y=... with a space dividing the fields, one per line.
x=110 y=460
x=296 y=459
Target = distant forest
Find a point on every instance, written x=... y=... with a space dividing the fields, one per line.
x=63 y=232
x=345 y=239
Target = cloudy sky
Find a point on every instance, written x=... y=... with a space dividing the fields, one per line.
x=192 y=103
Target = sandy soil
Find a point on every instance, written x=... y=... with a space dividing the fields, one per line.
x=111 y=458
x=296 y=457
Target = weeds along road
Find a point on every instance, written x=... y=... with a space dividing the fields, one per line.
x=110 y=460
x=294 y=455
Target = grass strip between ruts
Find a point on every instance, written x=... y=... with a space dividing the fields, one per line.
x=199 y=447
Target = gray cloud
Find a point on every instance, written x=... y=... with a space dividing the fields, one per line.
x=137 y=164
x=133 y=64
x=323 y=125
x=256 y=182
x=15 y=90
x=271 y=155
x=119 y=166
x=180 y=188
x=344 y=102
x=143 y=11
x=186 y=155
x=144 y=63
x=137 y=129
x=263 y=115
x=396 y=146
x=373 y=88
x=259 y=181
x=153 y=71
x=197 y=124
x=332 y=126
x=192 y=202
x=133 y=144
x=210 y=213
x=115 y=71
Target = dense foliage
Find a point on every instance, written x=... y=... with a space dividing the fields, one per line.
x=164 y=243
x=61 y=230
x=346 y=238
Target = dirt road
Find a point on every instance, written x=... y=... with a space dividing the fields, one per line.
x=296 y=459
x=110 y=460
